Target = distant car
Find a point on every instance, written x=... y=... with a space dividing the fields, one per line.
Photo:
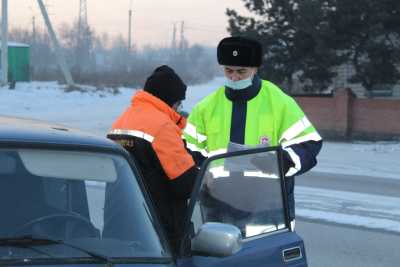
x=70 y=198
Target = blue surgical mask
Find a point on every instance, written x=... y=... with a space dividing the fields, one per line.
x=238 y=85
x=179 y=108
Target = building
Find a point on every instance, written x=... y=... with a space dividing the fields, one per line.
x=18 y=62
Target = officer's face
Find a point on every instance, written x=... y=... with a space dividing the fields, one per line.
x=236 y=73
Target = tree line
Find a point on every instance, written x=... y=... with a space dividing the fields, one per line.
x=306 y=41
x=102 y=60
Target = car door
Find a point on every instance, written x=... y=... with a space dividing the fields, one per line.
x=244 y=189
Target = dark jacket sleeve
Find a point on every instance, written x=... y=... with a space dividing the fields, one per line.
x=182 y=185
x=197 y=156
x=307 y=153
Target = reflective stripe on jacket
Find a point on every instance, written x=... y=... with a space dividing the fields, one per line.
x=151 y=119
x=272 y=118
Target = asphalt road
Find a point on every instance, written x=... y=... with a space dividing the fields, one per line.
x=329 y=243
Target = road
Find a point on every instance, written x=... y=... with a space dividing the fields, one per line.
x=330 y=245
x=348 y=220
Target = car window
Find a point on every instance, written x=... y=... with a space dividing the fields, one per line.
x=244 y=191
x=106 y=212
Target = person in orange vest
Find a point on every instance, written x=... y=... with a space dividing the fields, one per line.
x=151 y=130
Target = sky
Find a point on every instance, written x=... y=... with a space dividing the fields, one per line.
x=205 y=20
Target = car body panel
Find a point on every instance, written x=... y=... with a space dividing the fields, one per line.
x=96 y=265
x=259 y=252
x=29 y=131
x=265 y=250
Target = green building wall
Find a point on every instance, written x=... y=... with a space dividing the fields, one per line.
x=18 y=63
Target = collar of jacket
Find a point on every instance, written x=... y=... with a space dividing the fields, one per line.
x=245 y=94
x=142 y=97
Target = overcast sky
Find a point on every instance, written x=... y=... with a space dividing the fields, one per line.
x=205 y=20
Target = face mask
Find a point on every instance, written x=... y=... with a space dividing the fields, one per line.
x=179 y=108
x=238 y=85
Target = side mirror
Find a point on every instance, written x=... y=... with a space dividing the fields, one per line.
x=217 y=239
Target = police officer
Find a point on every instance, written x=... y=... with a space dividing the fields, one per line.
x=251 y=111
x=151 y=129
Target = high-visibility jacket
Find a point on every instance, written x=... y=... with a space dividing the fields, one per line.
x=271 y=117
x=260 y=114
x=152 y=132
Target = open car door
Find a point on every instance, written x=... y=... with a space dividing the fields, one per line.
x=239 y=213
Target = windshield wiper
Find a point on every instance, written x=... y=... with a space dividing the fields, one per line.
x=27 y=241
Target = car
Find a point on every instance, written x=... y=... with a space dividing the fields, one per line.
x=75 y=199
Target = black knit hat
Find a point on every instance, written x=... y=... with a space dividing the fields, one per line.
x=165 y=84
x=239 y=51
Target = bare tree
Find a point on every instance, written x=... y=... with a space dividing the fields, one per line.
x=111 y=63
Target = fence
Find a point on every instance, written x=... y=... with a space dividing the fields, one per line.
x=343 y=116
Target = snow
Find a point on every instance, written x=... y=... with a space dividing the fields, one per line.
x=356 y=220
x=359 y=209
x=198 y=92
x=14 y=44
x=95 y=110
x=376 y=159
x=92 y=111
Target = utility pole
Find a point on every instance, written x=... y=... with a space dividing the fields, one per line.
x=60 y=58
x=83 y=22
x=130 y=30
x=173 y=44
x=82 y=53
x=4 y=42
x=182 y=41
x=34 y=29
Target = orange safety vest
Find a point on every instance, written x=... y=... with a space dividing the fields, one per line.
x=151 y=119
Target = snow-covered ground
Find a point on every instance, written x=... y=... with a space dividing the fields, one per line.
x=92 y=110
x=350 y=208
x=376 y=159
x=96 y=110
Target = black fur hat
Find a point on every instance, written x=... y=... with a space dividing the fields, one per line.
x=165 y=84
x=239 y=51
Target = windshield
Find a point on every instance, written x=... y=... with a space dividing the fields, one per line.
x=88 y=199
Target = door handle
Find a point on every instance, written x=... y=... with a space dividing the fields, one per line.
x=291 y=254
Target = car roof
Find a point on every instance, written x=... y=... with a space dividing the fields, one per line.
x=28 y=131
